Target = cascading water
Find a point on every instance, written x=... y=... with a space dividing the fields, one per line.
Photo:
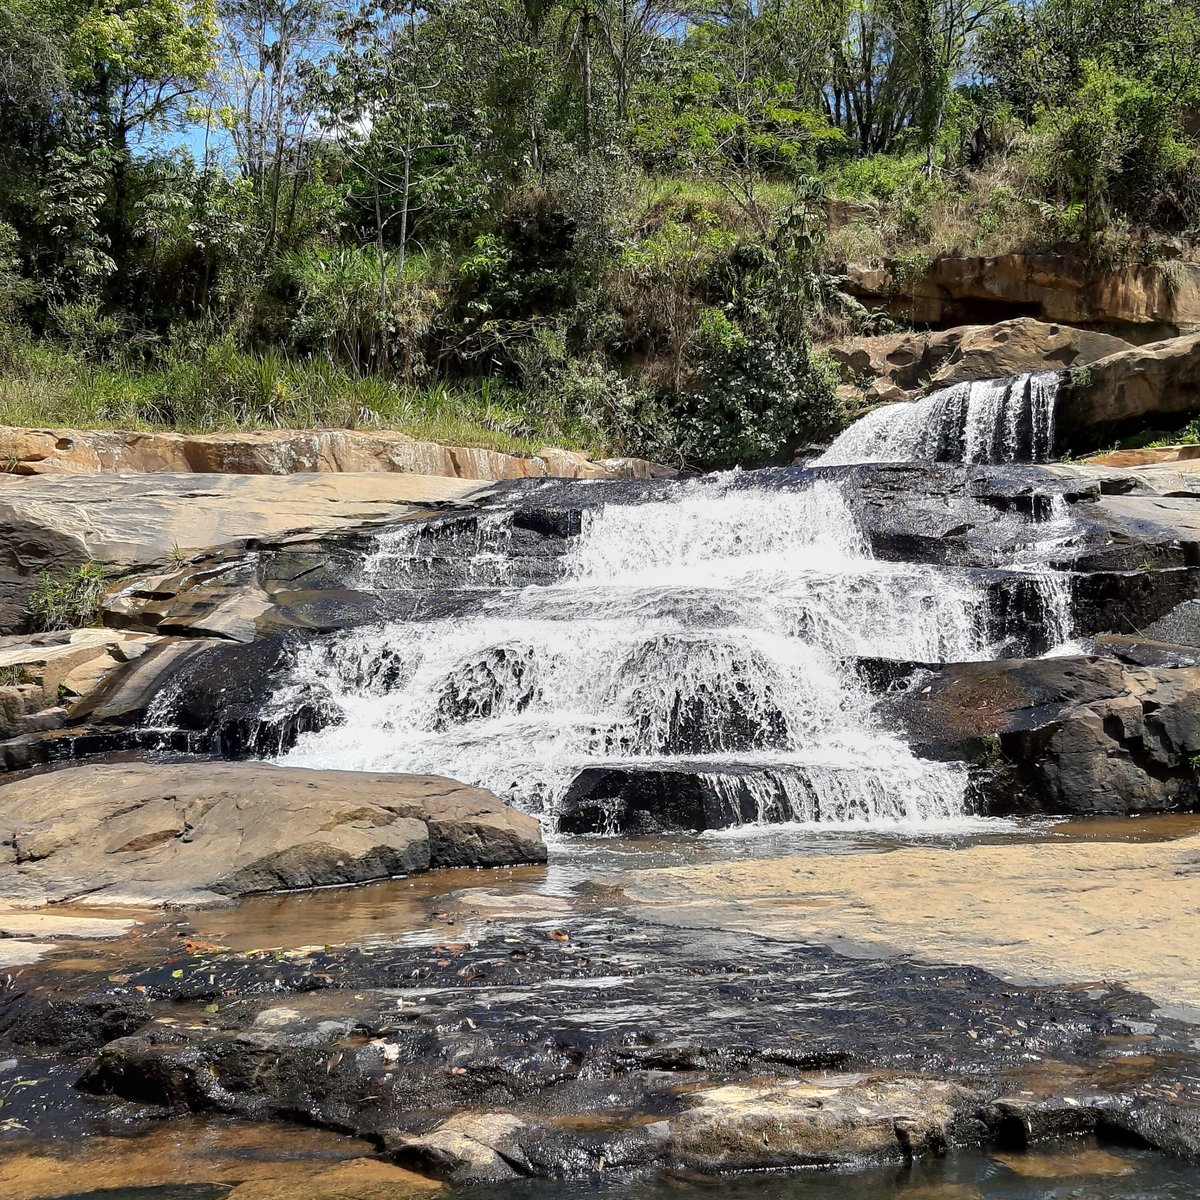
x=988 y=421
x=714 y=632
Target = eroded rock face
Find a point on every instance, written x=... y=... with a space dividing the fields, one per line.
x=1063 y=735
x=201 y=833
x=1138 y=303
x=45 y=676
x=1142 y=387
x=291 y=451
x=899 y=365
x=128 y=522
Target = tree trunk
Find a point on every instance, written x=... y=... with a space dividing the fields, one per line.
x=585 y=50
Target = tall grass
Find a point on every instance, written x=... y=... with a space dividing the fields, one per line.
x=223 y=388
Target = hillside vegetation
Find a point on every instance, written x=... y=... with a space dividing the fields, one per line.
x=601 y=223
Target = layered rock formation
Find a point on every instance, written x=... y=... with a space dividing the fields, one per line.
x=1136 y=302
x=202 y=833
x=1152 y=386
x=1063 y=735
x=897 y=366
x=288 y=452
x=528 y=1050
x=44 y=676
x=130 y=522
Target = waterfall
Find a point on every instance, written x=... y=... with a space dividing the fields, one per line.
x=713 y=631
x=988 y=421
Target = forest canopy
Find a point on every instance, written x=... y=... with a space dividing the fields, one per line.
x=600 y=222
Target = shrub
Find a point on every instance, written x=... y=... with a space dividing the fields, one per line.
x=67 y=601
x=755 y=401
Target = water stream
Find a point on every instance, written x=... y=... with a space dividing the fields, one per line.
x=988 y=421
x=715 y=632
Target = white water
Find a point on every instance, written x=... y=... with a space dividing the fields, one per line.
x=990 y=421
x=714 y=629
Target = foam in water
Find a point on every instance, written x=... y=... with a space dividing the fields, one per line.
x=988 y=421
x=713 y=632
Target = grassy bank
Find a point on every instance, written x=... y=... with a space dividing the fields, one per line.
x=223 y=388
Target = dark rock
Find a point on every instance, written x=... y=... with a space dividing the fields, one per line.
x=1172 y=1128
x=1062 y=735
x=621 y=1047
x=641 y=799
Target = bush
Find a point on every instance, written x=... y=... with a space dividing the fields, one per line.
x=757 y=401
x=876 y=177
x=68 y=601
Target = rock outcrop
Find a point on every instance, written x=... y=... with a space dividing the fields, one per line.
x=291 y=451
x=45 y=676
x=1153 y=386
x=1181 y=458
x=1138 y=303
x=897 y=366
x=483 y=1060
x=203 y=833
x=136 y=522
x=1063 y=735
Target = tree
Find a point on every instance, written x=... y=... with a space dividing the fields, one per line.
x=270 y=51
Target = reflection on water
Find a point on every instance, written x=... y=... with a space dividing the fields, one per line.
x=426 y=905
x=1080 y=1172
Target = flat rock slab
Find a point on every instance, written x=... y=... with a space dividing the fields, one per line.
x=606 y=1044
x=134 y=522
x=1055 y=912
x=204 y=833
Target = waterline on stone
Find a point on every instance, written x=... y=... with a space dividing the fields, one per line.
x=713 y=632
x=987 y=421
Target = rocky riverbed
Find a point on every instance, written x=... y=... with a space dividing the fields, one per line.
x=736 y=1015
x=746 y=862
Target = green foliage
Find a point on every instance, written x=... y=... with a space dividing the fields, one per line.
x=68 y=600
x=878 y=177
x=508 y=222
x=755 y=400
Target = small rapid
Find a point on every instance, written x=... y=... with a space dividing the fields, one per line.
x=1004 y=420
x=713 y=635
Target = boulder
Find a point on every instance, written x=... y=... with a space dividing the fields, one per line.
x=1141 y=303
x=1068 y=735
x=836 y=1119
x=202 y=833
x=1145 y=386
x=291 y=451
x=644 y=798
x=901 y=364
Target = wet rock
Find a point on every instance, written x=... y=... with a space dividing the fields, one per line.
x=621 y=1047
x=468 y=1148
x=1169 y=1127
x=202 y=832
x=643 y=799
x=73 y=1024
x=1063 y=735
x=817 y=1122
